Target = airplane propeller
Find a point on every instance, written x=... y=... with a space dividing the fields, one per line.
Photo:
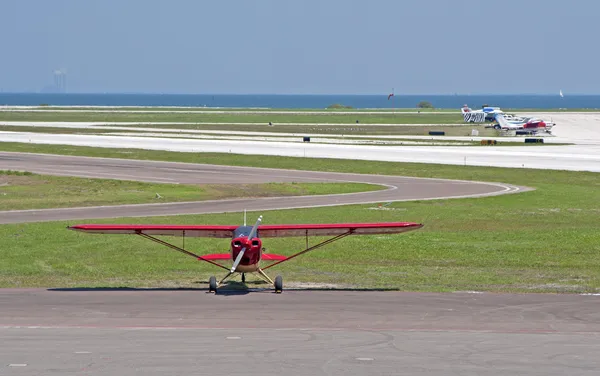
x=250 y=237
x=238 y=259
x=255 y=228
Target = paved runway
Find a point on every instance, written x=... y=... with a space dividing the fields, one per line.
x=398 y=188
x=157 y=332
x=571 y=157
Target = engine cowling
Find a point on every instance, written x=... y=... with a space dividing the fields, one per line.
x=252 y=253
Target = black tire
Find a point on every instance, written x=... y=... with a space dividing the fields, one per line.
x=278 y=284
x=243 y=277
x=212 y=284
x=497 y=126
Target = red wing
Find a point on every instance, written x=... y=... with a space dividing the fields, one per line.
x=227 y=256
x=154 y=230
x=273 y=257
x=264 y=231
x=269 y=231
x=217 y=256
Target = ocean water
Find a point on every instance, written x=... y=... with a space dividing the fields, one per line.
x=301 y=101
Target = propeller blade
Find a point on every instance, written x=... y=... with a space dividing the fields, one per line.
x=238 y=259
x=254 y=229
x=250 y=236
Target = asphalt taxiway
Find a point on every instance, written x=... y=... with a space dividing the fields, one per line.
x=397 y=188
x=175 y=332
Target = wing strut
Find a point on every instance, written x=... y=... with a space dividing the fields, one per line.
x=325 y=242
x=178 y=249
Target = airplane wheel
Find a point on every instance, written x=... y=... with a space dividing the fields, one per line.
x=244 y=277
x=212 y=284
x=278 y=284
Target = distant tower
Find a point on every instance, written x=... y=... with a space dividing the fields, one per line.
x=60 y=80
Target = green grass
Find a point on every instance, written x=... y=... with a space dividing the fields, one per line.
x=230 y=109
x=545 y=240
x=265 y=109
x=372 y=130
x=23 y=190
x=302 y=117
x=506 y=243
x=57 y=130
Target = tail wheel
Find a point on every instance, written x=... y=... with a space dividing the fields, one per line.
x=278 y=284
x=212 y=284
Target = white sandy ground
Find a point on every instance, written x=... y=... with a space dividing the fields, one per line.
x=583 y=129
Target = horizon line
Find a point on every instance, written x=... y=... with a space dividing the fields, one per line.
x=289 y=94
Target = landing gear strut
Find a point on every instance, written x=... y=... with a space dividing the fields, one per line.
x=243 y=277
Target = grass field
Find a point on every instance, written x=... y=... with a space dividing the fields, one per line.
x=228 y=109
x=264 y=118
x=545 y=240
x=24 y=190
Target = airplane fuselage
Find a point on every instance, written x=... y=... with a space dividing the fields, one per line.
x=251 y=258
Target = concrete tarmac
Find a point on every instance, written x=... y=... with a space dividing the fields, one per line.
x=398 y=188
x=570 y=157
x=177 y=332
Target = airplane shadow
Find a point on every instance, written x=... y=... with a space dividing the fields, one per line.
x=229 y=289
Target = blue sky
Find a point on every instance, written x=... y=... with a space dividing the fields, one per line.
x=302 y=47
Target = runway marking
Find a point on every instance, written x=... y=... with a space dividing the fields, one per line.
x=315 y=329
x=17 y=365
x=82 y=352
x=365 y=359
x=234 y=338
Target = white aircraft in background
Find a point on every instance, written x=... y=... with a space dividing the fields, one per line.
x=526 y=125
x=479 y=116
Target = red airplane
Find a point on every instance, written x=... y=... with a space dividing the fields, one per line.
x=246 y=244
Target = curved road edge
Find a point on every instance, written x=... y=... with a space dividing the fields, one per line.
x=400 y=188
